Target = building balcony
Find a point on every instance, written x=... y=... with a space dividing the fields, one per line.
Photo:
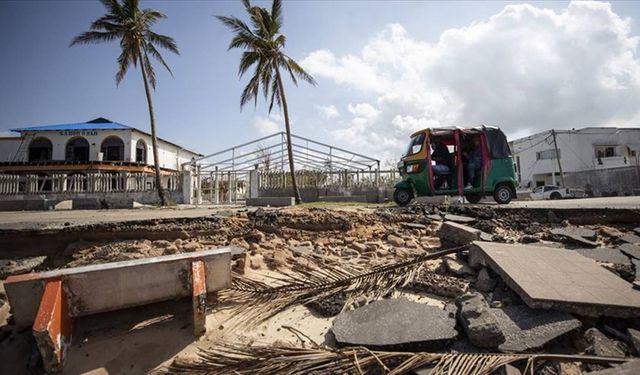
x=614 y=162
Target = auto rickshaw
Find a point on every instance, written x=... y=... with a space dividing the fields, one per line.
x=423 y=176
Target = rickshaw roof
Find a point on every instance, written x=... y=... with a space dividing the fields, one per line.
x=451 y=129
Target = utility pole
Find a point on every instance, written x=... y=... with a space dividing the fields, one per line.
x=555 y=145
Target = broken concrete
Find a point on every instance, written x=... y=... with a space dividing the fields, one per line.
x=440 y=285
x=630 y=238
x=526 y=329
x=478 y=322
x=564 y=280
x=628 y=368
x=457 y=266
x=394 y=324
x=603 y=346
x=458 y=234
x=634 y=337
x=630 y=250
x=118 y=285
x=484 y=282
x=578 y=236
x=605 y=255
x=459 y=219
x=10 y=267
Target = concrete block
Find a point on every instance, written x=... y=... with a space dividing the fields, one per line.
x=85 y=204
x=26 y=204
x=458 y=234
x=199 y=297
x=343 y=198
x=271 y=201
x=113 y=286
x=52 y=326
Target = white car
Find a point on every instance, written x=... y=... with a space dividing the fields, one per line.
x=550 y=192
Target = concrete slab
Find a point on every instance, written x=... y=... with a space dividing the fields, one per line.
x=118 y=285
x=271 y=201
x=459 y=219
x=526 y=329
x=576 y=235
x=630 y=250
x=564 y=280
x=52 y=327
x=395 y=323
x=630 y=238
x=459 y=234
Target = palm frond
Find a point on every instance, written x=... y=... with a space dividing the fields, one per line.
x=154 y=52
x=252 y=302
x=276 y=11
x=162 y=41
x=295 y=70
x=93 y=37
x=151 y=74
x=124 y=62
x=275 y=95
x=227 y=358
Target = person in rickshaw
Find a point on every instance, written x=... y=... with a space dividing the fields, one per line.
x=444 y=163
x=472 y=162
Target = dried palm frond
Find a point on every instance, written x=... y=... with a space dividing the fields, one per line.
x=267 y=360
x=252 y=302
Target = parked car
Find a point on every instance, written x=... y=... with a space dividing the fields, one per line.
x=555 y=192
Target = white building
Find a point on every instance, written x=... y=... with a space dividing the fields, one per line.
x=99 y=140
x=581 y=150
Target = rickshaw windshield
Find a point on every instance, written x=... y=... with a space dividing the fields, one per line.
x=416 y=144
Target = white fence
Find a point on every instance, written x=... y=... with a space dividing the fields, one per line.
x=61 y=183
x=328 y=179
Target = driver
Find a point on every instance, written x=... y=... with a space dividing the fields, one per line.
x=444 y=162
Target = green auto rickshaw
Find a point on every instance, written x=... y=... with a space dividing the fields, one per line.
x=470 y=162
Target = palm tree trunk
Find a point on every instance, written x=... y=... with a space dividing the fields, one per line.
x=285 y=109
x=154 y=139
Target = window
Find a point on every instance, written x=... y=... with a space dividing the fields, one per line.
x=40 y=149
x=609 y=152
x=112 y=149
x=77 y=149
x=415 y=145
x=547 y=154
x=141 y=152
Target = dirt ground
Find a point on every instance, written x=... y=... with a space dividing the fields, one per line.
x=266 y=242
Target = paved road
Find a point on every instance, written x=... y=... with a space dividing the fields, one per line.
x=58 y=219
x=587 y=203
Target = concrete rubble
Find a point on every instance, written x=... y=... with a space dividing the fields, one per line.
x=474 y=301
x=395 y=323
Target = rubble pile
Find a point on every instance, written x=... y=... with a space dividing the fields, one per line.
x=458 y=303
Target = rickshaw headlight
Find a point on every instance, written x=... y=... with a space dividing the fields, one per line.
x=413 y=168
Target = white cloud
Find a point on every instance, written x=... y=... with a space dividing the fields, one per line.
x=268 y=125
x=525 y=69
x=328 y=111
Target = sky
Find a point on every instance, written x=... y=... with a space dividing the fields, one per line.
x=384 y=69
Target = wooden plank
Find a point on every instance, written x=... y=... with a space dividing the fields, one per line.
x=113 y=286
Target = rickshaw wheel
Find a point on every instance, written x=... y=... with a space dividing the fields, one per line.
x=473 y=198
x=503 y=194
x=402 y=197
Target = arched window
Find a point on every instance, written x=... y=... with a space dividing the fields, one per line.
x=77 y=149
x=112 y=149
x=141 y=152
x=40 y=149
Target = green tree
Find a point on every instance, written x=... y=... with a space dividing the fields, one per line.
x=131 y=26
x=263 y=45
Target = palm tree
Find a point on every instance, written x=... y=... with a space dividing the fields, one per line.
x=131 y=26
x=263 y=47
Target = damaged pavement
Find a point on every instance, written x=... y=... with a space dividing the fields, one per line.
x=524 y=282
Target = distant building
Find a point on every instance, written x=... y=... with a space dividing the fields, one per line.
x=103 y=162
x=100 y=143
x=588 y=156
